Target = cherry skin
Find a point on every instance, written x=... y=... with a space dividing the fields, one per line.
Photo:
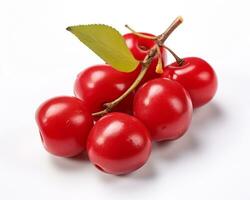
x=198 y=78
x=101 y=84
x=118 y=144
x=165 y=107
x=64 y=124
x=140 y=47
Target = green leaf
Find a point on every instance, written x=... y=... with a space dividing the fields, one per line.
x=107 y=43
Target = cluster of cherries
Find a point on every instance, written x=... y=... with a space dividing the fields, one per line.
x=160 y=108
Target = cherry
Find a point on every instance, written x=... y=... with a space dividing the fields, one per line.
x=165 y=107
x=64 y=124
x=101 y=84
x=197 y=76
x=139 y=47
x=118 y=144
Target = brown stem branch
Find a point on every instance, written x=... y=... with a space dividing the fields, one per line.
x=140 y=34
x=145 y=65
x=179 y=60
x=162 y=38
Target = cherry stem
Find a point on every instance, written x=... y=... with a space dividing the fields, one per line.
x=179 y=60
x=159 y=69
x=145 y=65
x=140 y=34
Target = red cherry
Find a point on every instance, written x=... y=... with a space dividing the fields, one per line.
x=140 y=47
x=100 y=84
x=165 y=107
x=64 y=125
x=118 y=144
x=198 y=78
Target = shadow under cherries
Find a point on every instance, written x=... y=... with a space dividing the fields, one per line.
x=171 y=151
x=202 y=120
x=73 y=164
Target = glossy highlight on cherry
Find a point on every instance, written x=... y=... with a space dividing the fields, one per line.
x=119 y=144
x=64 y=123
x=197 y=76
x=100 y=84
x=165 y=107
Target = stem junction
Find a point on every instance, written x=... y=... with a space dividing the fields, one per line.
x=145 y=64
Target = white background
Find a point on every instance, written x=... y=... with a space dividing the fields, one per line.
x=39 y=59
